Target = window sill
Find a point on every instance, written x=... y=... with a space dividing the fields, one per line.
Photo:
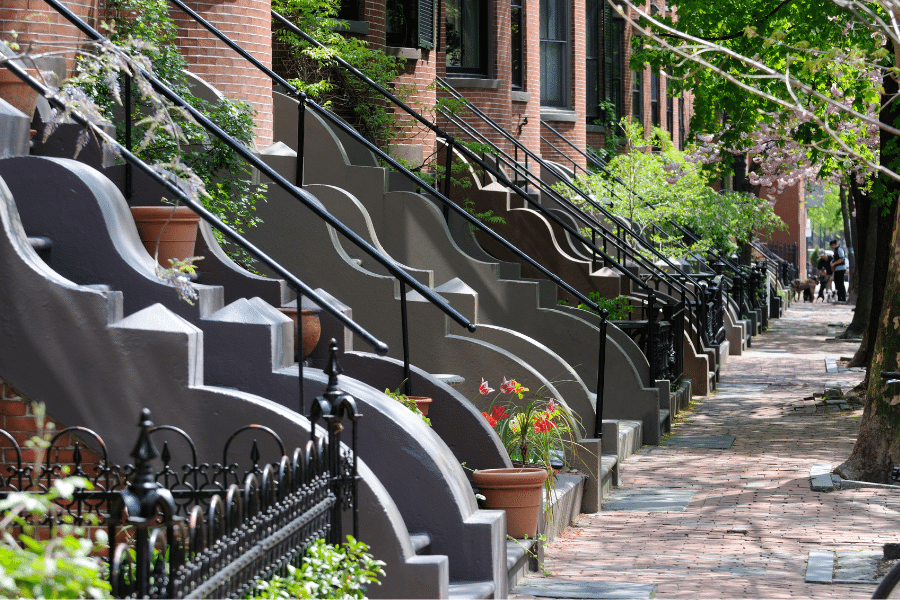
x=360 y=27
x=474 y=82
x=595 y=128
x=521 y=96
x=405 y=53
x=558 y=115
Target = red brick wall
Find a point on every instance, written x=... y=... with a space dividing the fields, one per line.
x=790 y=205
x=17 y=417
x=248 y=23
x=38 y=24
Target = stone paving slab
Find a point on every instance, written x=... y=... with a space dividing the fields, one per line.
x=753 y=519
x=539 y=587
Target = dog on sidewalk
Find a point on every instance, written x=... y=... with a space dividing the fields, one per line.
x=807 y=287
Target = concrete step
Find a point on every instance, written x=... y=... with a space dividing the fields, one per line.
x=470 y=589
x=521 y=559
x=421 y=542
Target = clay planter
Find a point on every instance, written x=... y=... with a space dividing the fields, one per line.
x=179 y=236
x=518 y=491
x=17 y=92
x=312 y=331
x=422 y=403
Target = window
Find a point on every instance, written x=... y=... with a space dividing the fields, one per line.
x=613 y=60
x=670 y=115
x=637 y=96
x=348 y=10
x=467 y=37
x=518 y=34
x=554 y=36
x=654 y=99
x=592 y=60
x=409 y=23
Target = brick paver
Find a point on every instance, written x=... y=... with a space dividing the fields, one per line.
x=753 y=520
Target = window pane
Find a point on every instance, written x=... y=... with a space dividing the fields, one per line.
x=554 y=53
x=517 y=36
x=465 y=31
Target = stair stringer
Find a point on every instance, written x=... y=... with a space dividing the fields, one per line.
x=64 y=345
x=80 y=206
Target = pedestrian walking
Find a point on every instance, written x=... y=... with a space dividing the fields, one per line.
x=839 y=266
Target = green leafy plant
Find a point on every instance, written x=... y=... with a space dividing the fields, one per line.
x=161 y=133
x=314 y=71
x=65 y=564
x=327 y=571
x=407 y=402
x=619 y=308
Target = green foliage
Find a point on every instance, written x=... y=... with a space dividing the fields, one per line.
x=825 y=212
x=653 y=184
x=613 y=139
x=327 y=571
x=61 y=566
x=619 y=308
x=165 y=135
x=408 y=403
x=314 y=71
x=825 y=50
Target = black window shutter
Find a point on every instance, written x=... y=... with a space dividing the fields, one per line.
x=608 y=52
x=426 y=24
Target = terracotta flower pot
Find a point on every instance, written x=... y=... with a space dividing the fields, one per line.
x=518 y=491
x=312 y=330
x=17 y=92
x=179 y=236
x=422 y=403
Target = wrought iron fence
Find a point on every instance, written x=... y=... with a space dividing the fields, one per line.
x=206 y=530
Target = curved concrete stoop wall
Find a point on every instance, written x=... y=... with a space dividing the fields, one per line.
x=66 y=345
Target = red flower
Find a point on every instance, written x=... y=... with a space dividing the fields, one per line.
x=491 y=420
x=508 y=386
x=543 y=425
x=498 y=413
x=484 y=389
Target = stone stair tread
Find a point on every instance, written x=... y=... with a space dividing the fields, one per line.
x=420 y=542
x=516 y=550
x=470 y=589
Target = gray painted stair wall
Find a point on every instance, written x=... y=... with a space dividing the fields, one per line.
x=66 y=345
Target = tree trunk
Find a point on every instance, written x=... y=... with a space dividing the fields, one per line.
x=877 y=446
x=867 y=244
x=853 y=207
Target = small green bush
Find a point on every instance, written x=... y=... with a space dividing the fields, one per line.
x=327 y=572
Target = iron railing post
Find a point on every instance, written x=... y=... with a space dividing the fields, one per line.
x=301 y=141
x=651 y=338
x=601 y=375
x=404 y=325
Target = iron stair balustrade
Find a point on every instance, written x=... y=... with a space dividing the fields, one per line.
x=621 y=246
x=300 y=288
x=296 y=191
x=337 y=122
x=598 y=164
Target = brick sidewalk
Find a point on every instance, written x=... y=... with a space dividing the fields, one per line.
x=753 y=519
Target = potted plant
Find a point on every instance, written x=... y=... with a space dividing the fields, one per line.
x=536 y=435
x=417 y=404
